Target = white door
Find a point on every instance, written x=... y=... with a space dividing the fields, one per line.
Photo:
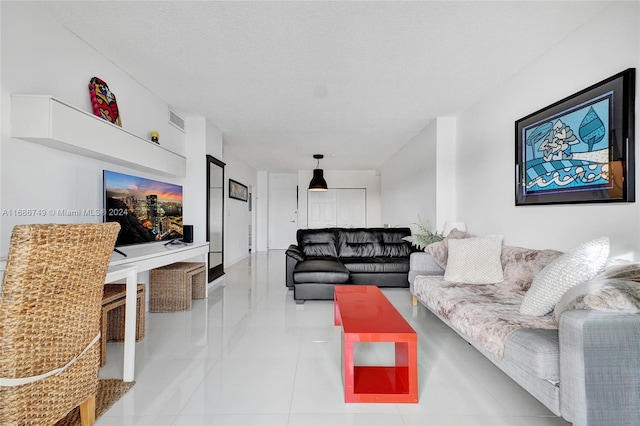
x=342 y=207
x=283 y=218
x=321 y=209
x=351 y=205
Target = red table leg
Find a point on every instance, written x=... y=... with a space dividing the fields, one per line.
x=336 y=312
x=348 y=370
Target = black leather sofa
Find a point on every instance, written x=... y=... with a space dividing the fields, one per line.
x=323 y=258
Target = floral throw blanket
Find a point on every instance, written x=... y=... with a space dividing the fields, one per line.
x=488 y=313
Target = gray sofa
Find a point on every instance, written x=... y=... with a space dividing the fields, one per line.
x=323 y=258
x=584 y=367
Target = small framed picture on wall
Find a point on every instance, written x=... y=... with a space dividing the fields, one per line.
x=238 y=191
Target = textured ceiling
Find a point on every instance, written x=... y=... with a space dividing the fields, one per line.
x=354 y=81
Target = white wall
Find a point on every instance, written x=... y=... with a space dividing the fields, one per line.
x=202 y=139
x=238 y=218
x=261 y=205
x=446 y=181
x=40 y=56
x=408 y=184
x=368 y=179
x=195 y=190
x=214 y=141
x=485 y=151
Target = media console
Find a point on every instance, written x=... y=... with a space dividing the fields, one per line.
x=141 y=258
x=153 y=255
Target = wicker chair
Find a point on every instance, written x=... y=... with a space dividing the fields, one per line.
x=50 y=309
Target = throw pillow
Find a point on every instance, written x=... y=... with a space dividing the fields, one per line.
x=521 y=265
x=439 y=250
x=474 y=260
x=612 y=294
x=620 y=269
x=574 y=267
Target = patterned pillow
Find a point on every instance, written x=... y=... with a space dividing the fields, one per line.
x=622 y=269
x=612 y=294
x=572 y=268
x=474 y=260
x=521 y=265
x=439 y=250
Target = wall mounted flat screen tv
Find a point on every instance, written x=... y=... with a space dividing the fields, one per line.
x=147 y=210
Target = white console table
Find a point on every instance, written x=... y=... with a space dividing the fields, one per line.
x=129 y=273
x=142 y=258
x=149 y=256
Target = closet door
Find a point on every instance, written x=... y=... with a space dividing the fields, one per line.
x=341 y=207
x=351 y=208
x=321 y=209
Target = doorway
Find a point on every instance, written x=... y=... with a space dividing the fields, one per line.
x=283 y=217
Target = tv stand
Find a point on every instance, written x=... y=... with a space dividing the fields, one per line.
x=153 y=255
x=142 y=258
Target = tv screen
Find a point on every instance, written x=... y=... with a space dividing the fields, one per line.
x=147 y=210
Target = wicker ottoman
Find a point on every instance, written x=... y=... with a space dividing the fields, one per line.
x=172 y=287
x=112 y=319
x=198 y=277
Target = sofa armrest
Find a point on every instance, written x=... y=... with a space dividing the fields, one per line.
x=293 y=255
x=599 y=367
x=421 y=263
x=295 y=252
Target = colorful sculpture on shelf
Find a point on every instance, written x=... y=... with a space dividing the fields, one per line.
x=104 y=101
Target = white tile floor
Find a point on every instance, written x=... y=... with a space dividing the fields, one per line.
x=250 y=356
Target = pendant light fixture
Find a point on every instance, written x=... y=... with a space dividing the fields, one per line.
x=317 y=182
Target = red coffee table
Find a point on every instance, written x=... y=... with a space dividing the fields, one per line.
x=367 y=316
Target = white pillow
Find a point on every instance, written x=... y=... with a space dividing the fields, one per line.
x=574 y=267
x=474 y=260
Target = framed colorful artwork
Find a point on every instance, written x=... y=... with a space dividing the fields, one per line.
x=580 y=149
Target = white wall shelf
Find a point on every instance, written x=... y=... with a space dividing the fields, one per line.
x=47 y=121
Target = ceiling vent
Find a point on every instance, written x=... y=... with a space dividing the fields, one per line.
x=176 y=119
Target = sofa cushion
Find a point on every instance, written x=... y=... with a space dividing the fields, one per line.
x=396 y=249
x=376 y=264
x=317 y=242
x=574 y=267
x=474 y=260
x=320 y=250
x=534 y=350
x=392 y=243
x=320 y=271
x=362 y=265
x=357 y=242
x=394 y=264
x=488 y=314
